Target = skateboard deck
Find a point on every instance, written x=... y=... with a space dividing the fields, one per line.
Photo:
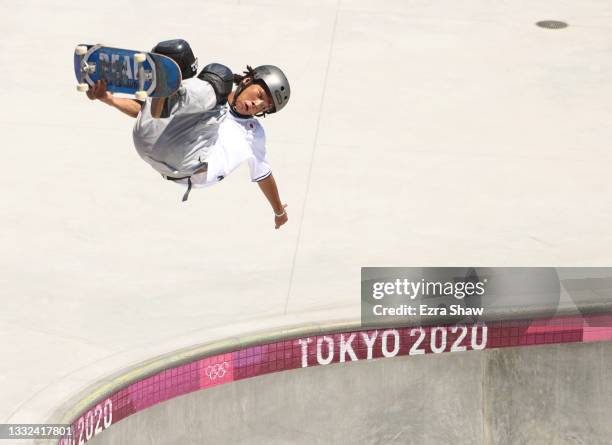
x=140 y=73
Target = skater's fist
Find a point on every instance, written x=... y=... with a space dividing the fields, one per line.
x=99 y=91
x=282 y=218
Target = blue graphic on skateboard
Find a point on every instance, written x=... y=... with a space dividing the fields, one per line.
x=126 y=71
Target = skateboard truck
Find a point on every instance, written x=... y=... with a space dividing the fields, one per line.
x=140 y=58
x=80 y=51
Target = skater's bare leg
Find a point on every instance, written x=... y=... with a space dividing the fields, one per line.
x=157 y=106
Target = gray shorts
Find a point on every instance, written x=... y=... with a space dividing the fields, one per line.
x=178 y=145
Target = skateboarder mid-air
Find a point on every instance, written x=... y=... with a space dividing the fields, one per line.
x=203 y=132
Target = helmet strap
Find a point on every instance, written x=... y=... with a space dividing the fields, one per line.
x=239 y=89
x=241 y=116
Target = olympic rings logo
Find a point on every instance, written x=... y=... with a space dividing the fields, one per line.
x=218 y=370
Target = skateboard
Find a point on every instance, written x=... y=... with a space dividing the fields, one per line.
x=141 y=74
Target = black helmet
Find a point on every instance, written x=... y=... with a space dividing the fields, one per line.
x=179 y=51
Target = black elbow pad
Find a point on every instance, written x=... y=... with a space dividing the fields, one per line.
x=221 y=79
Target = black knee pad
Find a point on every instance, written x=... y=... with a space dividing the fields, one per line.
x=221 y=78
x=179 y=51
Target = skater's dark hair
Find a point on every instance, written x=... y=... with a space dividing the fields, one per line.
x=240 y=77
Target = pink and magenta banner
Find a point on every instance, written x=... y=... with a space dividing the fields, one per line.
x=323 y=350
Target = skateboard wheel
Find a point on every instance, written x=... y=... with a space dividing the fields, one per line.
x=80 y=50
x=140 y=57
x=82 y=87
x=141 y=95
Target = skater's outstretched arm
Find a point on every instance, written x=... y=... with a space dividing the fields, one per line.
x=269 y=189
x=130 y=107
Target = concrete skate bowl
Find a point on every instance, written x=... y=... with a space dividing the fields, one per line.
x=532 y=380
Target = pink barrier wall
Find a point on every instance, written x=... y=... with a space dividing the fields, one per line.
x=322 y=350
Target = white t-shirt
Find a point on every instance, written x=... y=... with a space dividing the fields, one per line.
x=239 y=140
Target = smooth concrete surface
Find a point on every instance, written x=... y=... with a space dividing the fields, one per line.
x=418 y=133
x=559 y=394
x=554 y=394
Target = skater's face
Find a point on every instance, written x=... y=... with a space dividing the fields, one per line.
x=253 y=99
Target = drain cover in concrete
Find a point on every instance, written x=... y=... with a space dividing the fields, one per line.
x=551 y=24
